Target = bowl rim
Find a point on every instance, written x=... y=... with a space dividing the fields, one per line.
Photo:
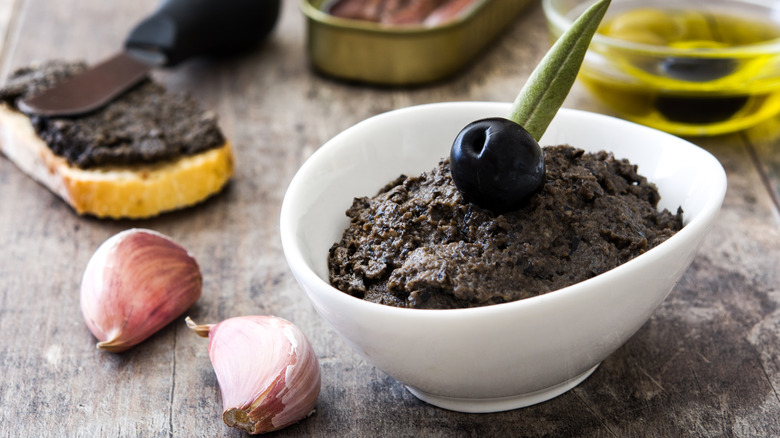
x=305 y=273
x=562 y=23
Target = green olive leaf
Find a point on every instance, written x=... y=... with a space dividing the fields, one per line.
x=549 y=84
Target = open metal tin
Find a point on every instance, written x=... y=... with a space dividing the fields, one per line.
x=375 y=53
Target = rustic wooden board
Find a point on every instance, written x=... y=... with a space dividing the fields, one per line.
x=706 y=364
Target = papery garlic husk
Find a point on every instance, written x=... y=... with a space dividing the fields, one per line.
x=267 y=371
x=137 y=282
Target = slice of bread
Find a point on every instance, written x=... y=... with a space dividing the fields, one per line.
x=116 y=191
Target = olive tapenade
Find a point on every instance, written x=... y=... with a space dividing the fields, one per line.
x=418 y=244
x=147 y=124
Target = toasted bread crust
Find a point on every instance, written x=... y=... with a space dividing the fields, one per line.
x=133 y=191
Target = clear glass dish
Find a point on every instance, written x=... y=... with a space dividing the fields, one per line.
x=684 y=66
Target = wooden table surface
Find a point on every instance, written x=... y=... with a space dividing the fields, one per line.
x=707 y=363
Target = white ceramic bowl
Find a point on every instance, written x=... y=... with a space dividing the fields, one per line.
x=509 y=355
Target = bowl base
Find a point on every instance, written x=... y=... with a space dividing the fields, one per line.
x=485 y=405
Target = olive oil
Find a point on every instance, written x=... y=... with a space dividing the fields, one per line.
x=690 y=72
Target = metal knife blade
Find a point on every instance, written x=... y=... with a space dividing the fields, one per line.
x=91 y=89
x=178 y=30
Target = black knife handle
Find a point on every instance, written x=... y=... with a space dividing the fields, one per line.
x=182 y=29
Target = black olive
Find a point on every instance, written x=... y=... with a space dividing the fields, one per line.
x=698 y=69
x=690 y=109
x=496 y=164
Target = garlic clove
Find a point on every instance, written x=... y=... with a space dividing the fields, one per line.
x=137 y=282
x=267 y=371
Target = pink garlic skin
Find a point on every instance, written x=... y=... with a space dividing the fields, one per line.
x=137 y=282
x=266 y=368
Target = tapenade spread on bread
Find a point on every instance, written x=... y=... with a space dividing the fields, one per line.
x=147 y=152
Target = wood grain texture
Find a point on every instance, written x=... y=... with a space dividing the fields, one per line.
x=706 y=364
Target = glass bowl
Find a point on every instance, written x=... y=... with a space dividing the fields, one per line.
x=688 y=67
